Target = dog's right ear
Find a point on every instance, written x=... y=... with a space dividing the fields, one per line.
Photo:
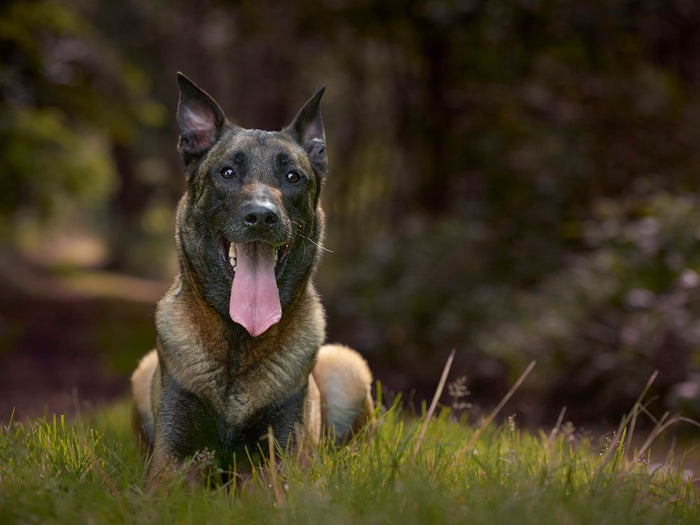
x=199 y=118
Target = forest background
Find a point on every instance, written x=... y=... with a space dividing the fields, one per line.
x=514 y=179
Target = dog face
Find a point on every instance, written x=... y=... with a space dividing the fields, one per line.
x=250 y=224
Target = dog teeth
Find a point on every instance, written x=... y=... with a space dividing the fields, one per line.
x=282 y=250
x=232 y=255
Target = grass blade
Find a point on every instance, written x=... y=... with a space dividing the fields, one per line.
x=486 y=422
x=433 y=404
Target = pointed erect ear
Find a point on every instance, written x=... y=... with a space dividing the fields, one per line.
x=199 y=118
x=307 y=130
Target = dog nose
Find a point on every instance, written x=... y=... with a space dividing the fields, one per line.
x=259 y=215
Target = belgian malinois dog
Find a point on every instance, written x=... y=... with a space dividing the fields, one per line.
x=240 y=331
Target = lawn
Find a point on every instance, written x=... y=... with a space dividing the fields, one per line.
x=434 y=468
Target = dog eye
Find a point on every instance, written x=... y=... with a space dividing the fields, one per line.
x=293 y=177
x=227 y=172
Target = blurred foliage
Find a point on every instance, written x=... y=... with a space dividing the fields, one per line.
x=64 y=165
x=514 y=179
x=67 y=98
x=625 y=306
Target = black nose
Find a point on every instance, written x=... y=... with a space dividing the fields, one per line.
x=261 y=216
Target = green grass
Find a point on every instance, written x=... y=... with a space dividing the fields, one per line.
x=88 y=471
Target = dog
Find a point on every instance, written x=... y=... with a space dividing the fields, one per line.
x=239 y=334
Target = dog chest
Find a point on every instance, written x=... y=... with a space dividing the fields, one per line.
x=188 y=424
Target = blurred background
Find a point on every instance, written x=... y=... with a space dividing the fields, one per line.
x=514 y=179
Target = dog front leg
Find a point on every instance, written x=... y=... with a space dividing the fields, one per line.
x=185 y=426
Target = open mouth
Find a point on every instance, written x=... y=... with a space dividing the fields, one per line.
x=229 y=253
x=254 y=268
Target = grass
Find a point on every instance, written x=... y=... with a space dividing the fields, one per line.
x=429 y=469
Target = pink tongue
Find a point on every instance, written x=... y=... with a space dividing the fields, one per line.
x=255 y=300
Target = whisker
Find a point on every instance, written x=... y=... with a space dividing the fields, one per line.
x=319 y=246
x=309 y=239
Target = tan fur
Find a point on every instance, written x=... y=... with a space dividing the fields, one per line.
x=142 y=415
x=312 y=413
x=278 y=364
x=267 y=371
x=343 y=380
x=338 y=403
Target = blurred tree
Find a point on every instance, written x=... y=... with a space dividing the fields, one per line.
x=69 y=108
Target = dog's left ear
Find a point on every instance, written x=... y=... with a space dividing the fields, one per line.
x=307 y=130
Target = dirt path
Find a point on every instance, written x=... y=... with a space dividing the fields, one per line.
x=68 y=341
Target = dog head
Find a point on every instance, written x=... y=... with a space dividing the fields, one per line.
x=250 y=224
